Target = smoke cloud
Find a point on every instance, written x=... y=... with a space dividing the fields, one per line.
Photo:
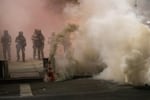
x=111 y=32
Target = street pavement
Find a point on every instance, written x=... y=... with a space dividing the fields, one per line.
x=77 y=89
x=25 y=84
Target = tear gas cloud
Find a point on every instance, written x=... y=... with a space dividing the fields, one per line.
x=111 y=32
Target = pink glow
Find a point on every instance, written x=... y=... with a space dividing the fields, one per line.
x=26 y=15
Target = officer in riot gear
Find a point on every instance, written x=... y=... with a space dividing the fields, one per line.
x=64 y=39
x=6 y=43
x=38 y=44
x=20 y=46
x=35 y=40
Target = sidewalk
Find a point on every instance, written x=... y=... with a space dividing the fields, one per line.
x=28 y=69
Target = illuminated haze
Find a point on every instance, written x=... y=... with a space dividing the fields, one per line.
x=27 y=15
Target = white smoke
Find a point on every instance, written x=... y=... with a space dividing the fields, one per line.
x=112 y=31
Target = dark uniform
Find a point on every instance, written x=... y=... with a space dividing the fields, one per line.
x=35 y=43
x=21 y=44
x=6 y=42
x=38 y=44
x=41 y=45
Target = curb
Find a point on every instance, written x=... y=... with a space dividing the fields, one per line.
x=21 y=80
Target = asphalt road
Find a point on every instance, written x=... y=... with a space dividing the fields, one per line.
x=78 y=89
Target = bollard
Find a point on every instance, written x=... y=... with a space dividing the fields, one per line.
x=45 y=67
x=45 y=63
x=4 y=69
x=48 y=70
x=1 y=70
